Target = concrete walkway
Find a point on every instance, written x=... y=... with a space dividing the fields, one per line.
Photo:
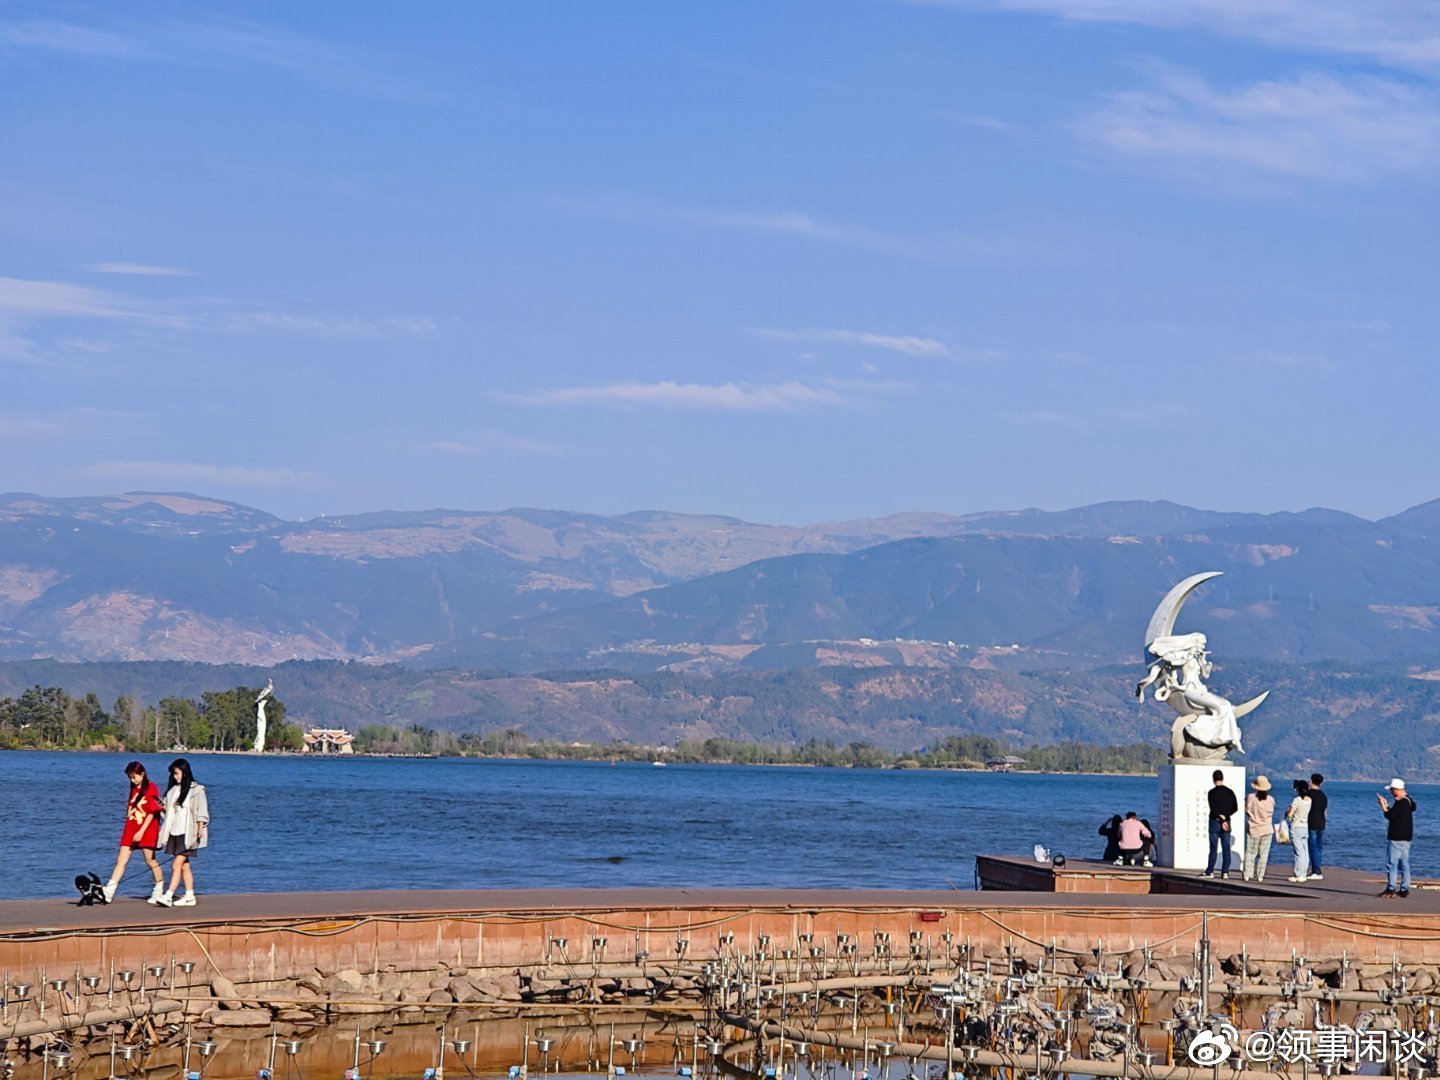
x=1342 y=892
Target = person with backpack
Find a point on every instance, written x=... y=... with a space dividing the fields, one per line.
x=185 y=832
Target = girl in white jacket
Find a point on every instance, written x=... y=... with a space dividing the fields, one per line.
x=185 y=831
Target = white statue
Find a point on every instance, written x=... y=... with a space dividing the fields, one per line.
x=1207 y=720
x=1207 y=728
x=265 y=695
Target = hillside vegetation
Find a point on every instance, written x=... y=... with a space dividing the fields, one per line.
x=1348 y=721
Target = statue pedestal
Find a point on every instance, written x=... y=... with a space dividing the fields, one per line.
x=1183 y=840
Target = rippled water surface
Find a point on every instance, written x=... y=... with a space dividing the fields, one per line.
x=297 y=823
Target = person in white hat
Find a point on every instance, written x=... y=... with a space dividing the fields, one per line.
x=1400 y=832
x=1259 y=829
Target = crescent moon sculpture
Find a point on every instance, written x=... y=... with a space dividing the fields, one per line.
x=1162 y=623
x=1205 y=730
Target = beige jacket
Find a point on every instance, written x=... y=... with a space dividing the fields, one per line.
x=1259 y=814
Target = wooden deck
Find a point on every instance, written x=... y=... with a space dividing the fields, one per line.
x=1007 y=878
x=1011 y=882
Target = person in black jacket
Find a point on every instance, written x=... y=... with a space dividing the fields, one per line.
x=1111 y=832
x=1318 y=802
x=1399 y=833
x=1223 y=806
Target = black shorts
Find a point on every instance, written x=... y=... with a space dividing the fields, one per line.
x=175 y=845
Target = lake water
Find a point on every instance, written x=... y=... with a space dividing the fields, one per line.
x=298 y=823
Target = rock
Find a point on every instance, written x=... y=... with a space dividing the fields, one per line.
x=461 y=989
x=412 y=995
x=440 y=982
x=1232 y=964
x=241 y=1018
x=358 y=1004
x=542 y=986
x=225 y=993
x=347 y=981
x=295 y=1016
x=494 y=989
x=440 y=997
x=312 y=983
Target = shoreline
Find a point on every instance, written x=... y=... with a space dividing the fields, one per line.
x=597 y=759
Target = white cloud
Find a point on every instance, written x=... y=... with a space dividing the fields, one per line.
x=1289 y=361
x=25 y=304
x=29 y=298
x=139 y=269
x=1401 y=32
x=165 y=472
x=907 y=344
x=51 y=36
x=730 y=397
x=65 y=424
x=215 y=41
x=326 y=326
x=487 y=443
x=939 y=246
x=984 y=123
x=1313 y=126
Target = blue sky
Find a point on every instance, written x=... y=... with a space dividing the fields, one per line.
x=792 y=262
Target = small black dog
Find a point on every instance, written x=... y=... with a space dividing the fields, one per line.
x=92 y=889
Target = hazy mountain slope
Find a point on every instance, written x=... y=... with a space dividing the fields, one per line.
x=1297 y=589
x=149 y=575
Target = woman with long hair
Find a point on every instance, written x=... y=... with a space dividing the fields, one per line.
x=186 y=831
x=1299 y=818
x=142 y=830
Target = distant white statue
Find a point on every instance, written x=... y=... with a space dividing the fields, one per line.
x=265 y=695
x=1207 y=728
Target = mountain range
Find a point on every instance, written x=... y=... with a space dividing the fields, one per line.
x=170 y=576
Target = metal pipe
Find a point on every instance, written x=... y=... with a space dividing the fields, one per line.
x=988 y=1058
x=101 y=1016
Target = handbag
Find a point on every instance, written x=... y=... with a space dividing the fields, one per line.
x=1282 y=833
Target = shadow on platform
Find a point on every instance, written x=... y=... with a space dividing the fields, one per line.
x=1340 y=889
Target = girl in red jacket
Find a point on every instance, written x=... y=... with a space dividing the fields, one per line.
x=142 y=829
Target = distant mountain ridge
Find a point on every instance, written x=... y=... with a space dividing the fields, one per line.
x=174 y=576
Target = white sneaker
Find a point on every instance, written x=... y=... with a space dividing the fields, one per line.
x=1119 y=862
x=165 y=899
x=1317 y=877
x=1297 y=880
x=109 y=890
x=188 y=900
x=155 y=893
